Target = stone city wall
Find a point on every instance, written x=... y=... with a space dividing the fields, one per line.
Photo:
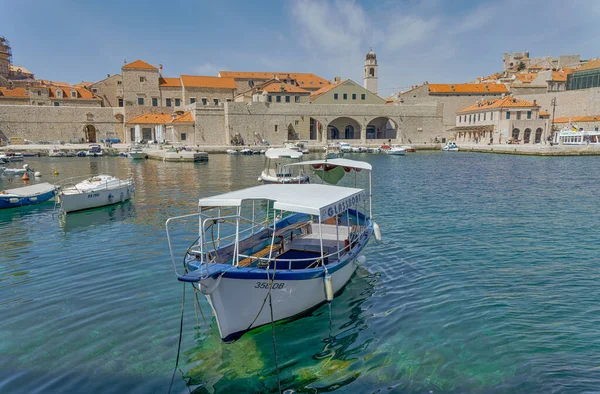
x=48 y=123
x=584 y=102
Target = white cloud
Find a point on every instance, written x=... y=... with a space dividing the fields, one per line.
x=207 y=69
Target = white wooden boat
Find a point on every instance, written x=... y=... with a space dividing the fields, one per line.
x=396 y=150
x=296 y=254
x=274 y=171
x=450 y=147
x=56 y=152
x=94 y=151
x=18 y=171
x=97 y=191
x=27 y=195
x=136 y=153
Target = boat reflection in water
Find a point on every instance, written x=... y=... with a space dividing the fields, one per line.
x=97 y=216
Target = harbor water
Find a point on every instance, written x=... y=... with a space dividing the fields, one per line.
x=486 y=282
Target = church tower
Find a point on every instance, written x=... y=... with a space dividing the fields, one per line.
x=371 y=73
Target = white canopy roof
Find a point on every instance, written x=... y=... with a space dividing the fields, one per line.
x=362 y=165
x=276 y=153
x=323 y=200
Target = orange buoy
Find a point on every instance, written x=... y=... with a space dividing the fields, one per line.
x=25 y=177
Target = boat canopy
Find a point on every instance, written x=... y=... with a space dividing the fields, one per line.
x=347 y=163
x=323 y=200
x=28 y=190
x=276 y=153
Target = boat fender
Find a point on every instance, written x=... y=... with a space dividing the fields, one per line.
x=14 y=200
x=328 y=287
x=360 y=260
x=110 y=197
x=122 y=195
x=377 y=232
x=37 y=174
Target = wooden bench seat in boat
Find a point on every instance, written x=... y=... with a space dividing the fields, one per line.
x=264 y=252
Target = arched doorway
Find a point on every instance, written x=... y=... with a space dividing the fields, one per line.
x=382 y=128
x=515 y=134
x=526 y=136
x=538 y=135
x=343 y=128
x=292 y=135
x=90 y=133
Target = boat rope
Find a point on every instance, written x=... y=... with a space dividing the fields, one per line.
x=198 y=306
x=180 y=335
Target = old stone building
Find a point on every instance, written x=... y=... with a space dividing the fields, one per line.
x=110 y=90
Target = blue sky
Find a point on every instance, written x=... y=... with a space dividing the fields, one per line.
x=439 y=41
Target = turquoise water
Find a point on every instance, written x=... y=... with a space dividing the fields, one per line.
x=486 y=282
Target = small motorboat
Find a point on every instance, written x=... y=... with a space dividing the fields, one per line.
x=136 y=153
x=97 y=191
x=81 y=153
x=18 y=171
x=300 y=259
x=450 y=147
x=396 y=150
x=333 y=151
x=409 y=148
x=233 y=152
x=12 y=157
x=27 y=195
x=246 y=151
x=56 y=152
x=275 y=170
x=94 y=151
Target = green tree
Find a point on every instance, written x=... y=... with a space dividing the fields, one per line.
x=521 y=66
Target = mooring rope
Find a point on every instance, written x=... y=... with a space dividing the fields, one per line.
x=180 y=335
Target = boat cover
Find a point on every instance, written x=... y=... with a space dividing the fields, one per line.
x=29 y=190
x=323 y=200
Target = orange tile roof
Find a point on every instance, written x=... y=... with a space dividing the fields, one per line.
x=14 y=93
x=84 y=84
x=151 y=119
x=139 y=65
x=504 y=102
x=169 y=82
x=304 y=80
x=468 y=88
x=325 y=89
x=198 y=81
x=276 y=87
x=526 y=78
x=82 y=93
x=186 y=117
x=595 y=118
x=559 y=76
x=544 y=113
x=590 y=65
x=15 y=69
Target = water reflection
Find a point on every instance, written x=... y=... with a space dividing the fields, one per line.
x=97 y=217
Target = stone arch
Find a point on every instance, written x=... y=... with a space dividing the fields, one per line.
x=515 y=134
x=343 y=128
x=382 y=128
x=526 y=135
x=538 y=135
x=90 y=132
x=372 y=71
x=291 y=133
x=119 y=118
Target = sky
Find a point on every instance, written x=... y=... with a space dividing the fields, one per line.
x=439 y=41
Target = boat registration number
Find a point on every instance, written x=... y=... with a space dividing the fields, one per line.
x=265 y=285
x=93 y=195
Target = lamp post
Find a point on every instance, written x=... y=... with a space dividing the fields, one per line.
x=553 y=104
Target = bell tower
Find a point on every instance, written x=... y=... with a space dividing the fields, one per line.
x=371 y=72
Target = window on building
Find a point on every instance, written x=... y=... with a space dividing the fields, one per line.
x=154 y=102
x=140 y=101
x=345 y=96
x=491 y=116
x=275 y=128
x=518 y=115
x=73 y=94
x=297 y=99
x=507 y=114
x=193 y=100
x=120 y=102
x=484 y=114
x=168 y=103
x=183 y=136
x=119 y=82
x=204 y=100
x=469 y=118
x=39 y=92
x=58 y=93
x=270 y=99
x=478 y=117
x=228 y=99
x=363 y=96
x=278 y=99
x=216 y=101
x=94 y=90
x=296 y=123
x=177 y=102
x=56 y=104
x=251 y=83
x=353 y=96
x=142 y=79
x=287 y=99
x=335 y=96
x=528 y=114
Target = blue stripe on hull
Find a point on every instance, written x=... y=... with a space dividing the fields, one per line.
x=5 y=201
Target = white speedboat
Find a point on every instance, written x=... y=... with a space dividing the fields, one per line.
x=345 y=147
x=56 y=152
x=396 y=150
x=233 y=152
x=333 y=151
x=18 y=171
x=97 y=191
x=94 y=151
x=274 y=171
x=295 y=262
x=247 y=151
x=12 y=157
x=450 y=147
x=136 y=153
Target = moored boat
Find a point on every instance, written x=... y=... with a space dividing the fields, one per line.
x=27 y=195
x=12 y=157
x=409 y=148
x=299 y=260
x=97 y=191
x=333 y=151
x=396 y=150
x=94 y=151
x=56 y=152
x=18 y=171
x=450 y=147
x=233 y=152
x=136 y=153
x=275 y=170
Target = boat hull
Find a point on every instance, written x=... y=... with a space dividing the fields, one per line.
x=95 y=199
x=136 y=155
x=396 y=152
x=19 y=201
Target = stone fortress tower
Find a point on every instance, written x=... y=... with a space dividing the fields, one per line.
x=371 y=73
